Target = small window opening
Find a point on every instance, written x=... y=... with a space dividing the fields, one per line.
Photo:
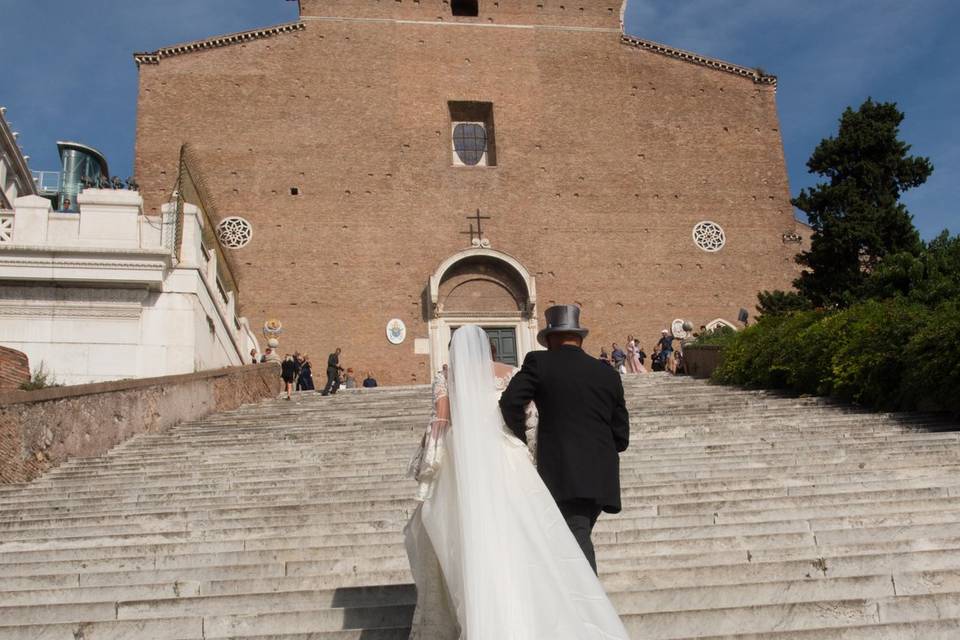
x=294 y=191
x=472 y=134
x=465 y=7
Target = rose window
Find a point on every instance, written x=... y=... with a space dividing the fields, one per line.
x=234 y=232
x=709 y=236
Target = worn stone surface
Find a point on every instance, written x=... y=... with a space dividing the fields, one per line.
x=41 y=429
x=608 y=154
x=747 y=515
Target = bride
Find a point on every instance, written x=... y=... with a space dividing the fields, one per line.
x=491 y=555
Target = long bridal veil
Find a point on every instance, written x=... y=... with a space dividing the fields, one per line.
x=484 y=572
x=512 y=568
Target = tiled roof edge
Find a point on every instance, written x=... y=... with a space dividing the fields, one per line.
x=757 y=75
x=154 y=57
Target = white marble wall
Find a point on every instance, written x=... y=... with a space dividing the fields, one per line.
x=95 y=296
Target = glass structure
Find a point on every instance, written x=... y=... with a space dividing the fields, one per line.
x=78 y=162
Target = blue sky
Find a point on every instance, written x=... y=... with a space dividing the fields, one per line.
x=68 y=71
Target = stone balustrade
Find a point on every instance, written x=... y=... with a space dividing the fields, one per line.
x=41 y=429
x=110 y=293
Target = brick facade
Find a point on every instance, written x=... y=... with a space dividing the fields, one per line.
x=609 y=150
x=14 y=369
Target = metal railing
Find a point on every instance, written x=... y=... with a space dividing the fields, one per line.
x=47 y=181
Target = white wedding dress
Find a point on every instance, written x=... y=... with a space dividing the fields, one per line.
x=492 y=557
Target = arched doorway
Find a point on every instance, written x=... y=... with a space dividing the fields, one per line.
x=718 y=323
x=485 y=287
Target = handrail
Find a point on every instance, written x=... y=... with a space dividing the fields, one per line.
x=47 y=181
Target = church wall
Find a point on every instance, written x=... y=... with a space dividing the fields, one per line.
x=607 y=156
x=581 y=13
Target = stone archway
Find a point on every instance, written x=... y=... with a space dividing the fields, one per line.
x=719 y=322
x=486 y=287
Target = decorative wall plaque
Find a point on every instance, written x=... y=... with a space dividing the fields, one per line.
x=396 y=331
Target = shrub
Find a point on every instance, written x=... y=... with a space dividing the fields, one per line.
x=40 y=379
x=720 y=335
x=868 y=363
x=931 y=376
x=769 y=353
x=892 y=354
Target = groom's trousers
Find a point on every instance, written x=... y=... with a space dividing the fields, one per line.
x=581 y=515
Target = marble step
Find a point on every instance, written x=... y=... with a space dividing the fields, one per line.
x=228 y=505
x=108 y=497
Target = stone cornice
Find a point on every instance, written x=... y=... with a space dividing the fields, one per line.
x=756 y=75
x=71 y=311
x=154 y=57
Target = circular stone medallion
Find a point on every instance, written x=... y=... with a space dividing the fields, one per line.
x=234 y=232
x=709 y=236
x=396 y=331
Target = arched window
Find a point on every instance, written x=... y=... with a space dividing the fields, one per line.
x=465 y=7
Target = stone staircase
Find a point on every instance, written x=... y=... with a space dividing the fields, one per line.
x=746 y=515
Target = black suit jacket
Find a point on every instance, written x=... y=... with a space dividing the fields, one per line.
x=333 y=362
x=584 y=423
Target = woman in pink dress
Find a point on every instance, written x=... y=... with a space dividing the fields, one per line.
x=641 y=356
x=633 y=361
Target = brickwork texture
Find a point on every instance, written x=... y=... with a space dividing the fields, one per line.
x=607 y=156
x=14 y=369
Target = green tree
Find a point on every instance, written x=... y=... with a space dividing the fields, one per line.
x=932 y=277
x=779 y=302
x=856 y=215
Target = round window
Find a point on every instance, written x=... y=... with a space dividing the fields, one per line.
x=709 y=236
x=234 y=232
x=470 y=142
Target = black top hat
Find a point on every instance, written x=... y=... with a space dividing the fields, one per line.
x=562 y=318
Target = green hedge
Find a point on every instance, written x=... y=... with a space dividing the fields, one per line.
x=891 y=354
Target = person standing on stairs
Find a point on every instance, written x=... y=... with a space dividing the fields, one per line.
x=488 y=548
x=288 y=371
x=333 y=373
x=584 y=424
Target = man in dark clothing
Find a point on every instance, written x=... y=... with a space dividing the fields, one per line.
x=333 y=373
x=584 y=423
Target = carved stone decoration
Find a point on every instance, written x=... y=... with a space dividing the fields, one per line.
x=6 y=229
x=234 y=232
x=677 y=329
x=272 y=328
x=792 y=237
x=709 y=236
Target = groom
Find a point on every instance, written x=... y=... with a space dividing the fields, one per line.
x=583 y=423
